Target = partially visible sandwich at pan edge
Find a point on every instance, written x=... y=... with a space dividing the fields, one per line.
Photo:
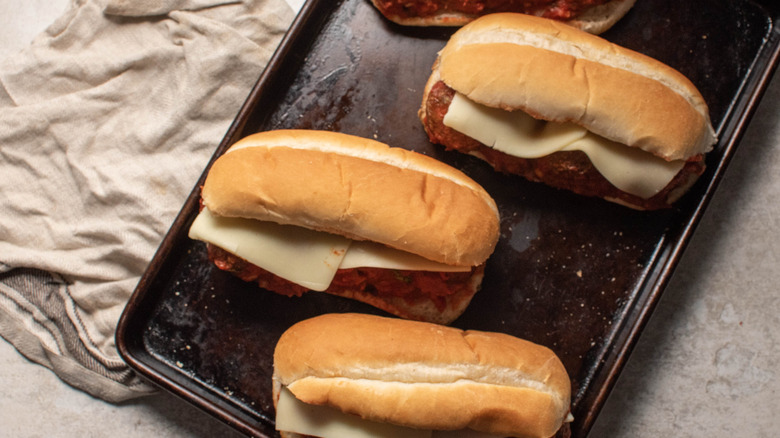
x=364 y=376
x=305 y=210
x=556 y=105
x=593 y=16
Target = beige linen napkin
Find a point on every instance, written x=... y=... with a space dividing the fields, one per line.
x=106 y=121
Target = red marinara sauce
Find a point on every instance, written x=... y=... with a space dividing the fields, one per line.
x=412 y=286
x=554 y=9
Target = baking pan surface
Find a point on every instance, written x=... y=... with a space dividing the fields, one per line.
x=578 y=275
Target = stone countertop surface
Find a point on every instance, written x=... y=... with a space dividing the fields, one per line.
x=706 y=364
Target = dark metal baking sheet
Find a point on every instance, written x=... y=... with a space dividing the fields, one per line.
x=579 y=275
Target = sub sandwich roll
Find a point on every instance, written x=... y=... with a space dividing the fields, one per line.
x=593 y=16
x=417 y=379
x=569 y=109
x=301 y=210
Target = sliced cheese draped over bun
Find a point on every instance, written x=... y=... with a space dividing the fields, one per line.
x=423 y=376
x=295 y=418
x=357 y=188
x=518 y=134
x=305 y=257
x=557 y=73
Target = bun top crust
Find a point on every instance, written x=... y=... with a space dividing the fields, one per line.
x=557 y=73
x=419 y=374
x=355 y=187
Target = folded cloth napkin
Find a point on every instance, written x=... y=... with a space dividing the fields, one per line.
x=106 y=122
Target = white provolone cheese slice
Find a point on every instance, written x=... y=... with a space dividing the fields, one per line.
x=516 y=133
x=632 y=170
x=512 y=132
x=305 y=257
x=293 y=415
x=300 y=255
x=365 y=254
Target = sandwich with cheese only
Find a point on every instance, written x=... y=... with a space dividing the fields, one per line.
x=593 y=16
x=563 y=107
x=306 y=210
x=361 y=376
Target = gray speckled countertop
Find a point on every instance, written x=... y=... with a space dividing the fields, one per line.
x=706 y=365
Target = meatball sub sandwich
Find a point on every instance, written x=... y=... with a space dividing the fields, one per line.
x=305 y=210
x=593 y=16
x=360 y=376
x=556 y=105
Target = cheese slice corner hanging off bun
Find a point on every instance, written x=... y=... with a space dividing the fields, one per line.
x=300 y=210
x=592 y=16
x=633 y=129
x=419 y=379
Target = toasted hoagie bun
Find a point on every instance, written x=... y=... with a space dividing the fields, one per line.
x=420 y=376
x=531 y=70
x=368 y=206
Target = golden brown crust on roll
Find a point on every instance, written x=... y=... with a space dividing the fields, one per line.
x=595 y=19
x=557 y=73
x=358 y=188
x=418 y=374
